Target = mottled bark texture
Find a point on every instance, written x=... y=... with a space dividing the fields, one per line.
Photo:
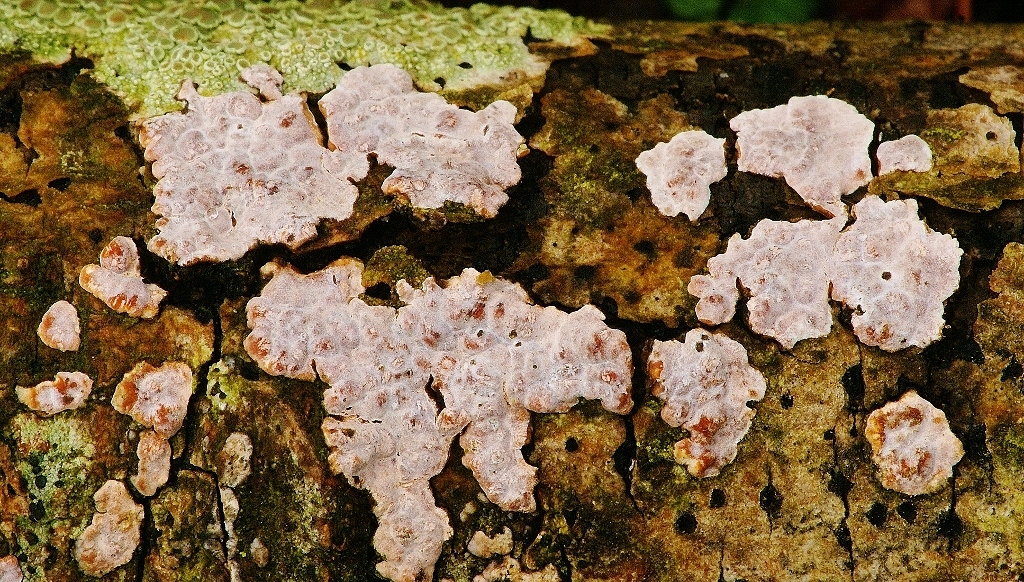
x=800 y=502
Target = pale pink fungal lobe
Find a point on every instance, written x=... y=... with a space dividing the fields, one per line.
x=912 y=446
x=117 y=281
x=110 y=540
x=154 y=453
x=60 y=327
x=895 y=273
x=155 y=397
x=817 y=143
x=680 y=172
x=909 y=153
x=65 y=392
x=705 y=383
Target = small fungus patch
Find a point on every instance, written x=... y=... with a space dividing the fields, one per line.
x=705 y=384
x=1004 y=85
x=60 y=328
x=117 y=281
x=439 y=152
x=110 y=540
x=66 y=392
x=10 y=570
x=910 y=153
x=483 y=546
x=818 y=144
x=477 y=342
x=895 y=273
x=154 y=452
x=912 y=446
x=783 y=266
x=680 y=172
x=155 y=397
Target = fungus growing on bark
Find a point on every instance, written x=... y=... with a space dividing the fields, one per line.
x=60 y=328
x=155 y=397
x=1003 y=85
x=67 y=391
x=477 y=345
x=783 y=266
x=233 y=461
x=110 y=540
x=117 y=280
x=154 y=453
x=439 y=152
x=234 y=171
x=818 y=144
x=483 y=546
x=895 y=273
x=705 y=384
x=909 y=153
x=10 y=570
x=912 y=446
x=680 y=172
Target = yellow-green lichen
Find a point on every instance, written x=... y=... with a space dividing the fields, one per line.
x=143 y=50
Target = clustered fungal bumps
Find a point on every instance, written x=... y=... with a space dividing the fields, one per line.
x=235 y=170
x=117 y=280
x=912 y=446
x=478 y=342
x=705 y=383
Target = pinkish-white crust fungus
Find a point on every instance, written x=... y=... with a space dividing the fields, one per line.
x=477 y=343
x=705 y=384
x=439 y=152
x=912 y=446
x=117 y=280
x=680 y=172
x=60 y=328
x=10 y=570
x=67 y=391
x=895 y=273
x=909 y=153
x=235 y=170
x=155 y=397
x=110 y=540
x=818 y=144
x=783 y=268
x=154 y=453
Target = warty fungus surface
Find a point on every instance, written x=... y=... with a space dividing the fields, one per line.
x=117 y=281
x=477 y=344
x=912 y=446
x=817 y=143
x=705 y=383
x=680 y=172
x=60 y=328
x=66 y=392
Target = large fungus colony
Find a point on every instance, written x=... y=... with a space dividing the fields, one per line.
x=235 y=171
x=489 y=353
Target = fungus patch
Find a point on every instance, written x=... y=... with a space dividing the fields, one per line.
x=439 y=152
x=1003 y=85
x=912 y=446
x=235 y=170
x=60 y=328
x=705 y=384
x=10 y=570
x=783 y=267
x=117 y=281
x=110 y=540
x=680 y=172
x=973 y=140
x=154 y=453
x=909 y=153
x=818 y=144
x=66 y=392
x=895 y=273
x=155 y=397
x=477 y=344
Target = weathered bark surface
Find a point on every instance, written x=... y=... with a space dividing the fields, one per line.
x=800 y=502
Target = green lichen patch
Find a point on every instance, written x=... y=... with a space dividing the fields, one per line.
x=143 y=51
x=387 y=267
x=602 y=236
x=189 y=532
x=63 y=460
